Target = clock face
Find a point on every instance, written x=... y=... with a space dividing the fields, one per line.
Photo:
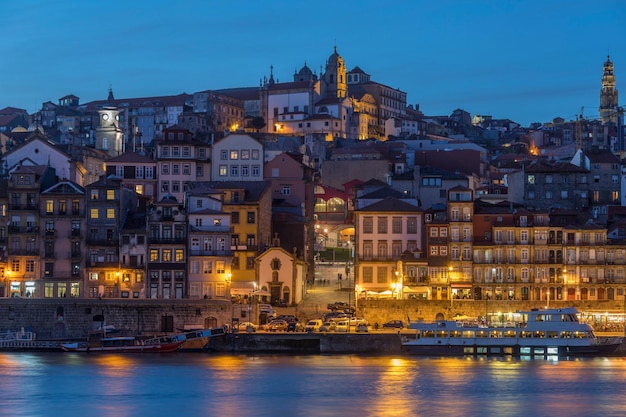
x=105 y=116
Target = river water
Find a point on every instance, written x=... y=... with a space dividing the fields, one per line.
x=200 y=384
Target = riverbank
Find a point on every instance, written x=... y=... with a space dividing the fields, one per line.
x=370 y=343
x=312 y=343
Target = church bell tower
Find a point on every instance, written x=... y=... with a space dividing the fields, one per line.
x=335 y=76
x=608 y=94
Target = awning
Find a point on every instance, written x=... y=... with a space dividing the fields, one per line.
x=410 y=290
x=240 y=291
x=241 y=288
x=461 y=285
x=262 y=293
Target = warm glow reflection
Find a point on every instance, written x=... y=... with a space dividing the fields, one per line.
x=234 y=385
x=115 y=365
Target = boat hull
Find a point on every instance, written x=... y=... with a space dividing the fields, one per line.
x=196 y=340
x=160 y=348
x=537 y=332
x=509 y=350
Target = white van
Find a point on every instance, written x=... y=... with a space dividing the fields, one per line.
x=267 y=310
x=342 y=326
x=313 y=325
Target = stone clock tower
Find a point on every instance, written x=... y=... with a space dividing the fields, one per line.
x=109 y=137
x=608 y=94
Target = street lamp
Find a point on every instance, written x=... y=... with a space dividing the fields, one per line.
x=395 y=285
x=394 y=288
x=227 y=280
x=250 y=303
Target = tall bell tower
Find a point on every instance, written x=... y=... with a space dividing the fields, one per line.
x=608 y=94
x=335 y=76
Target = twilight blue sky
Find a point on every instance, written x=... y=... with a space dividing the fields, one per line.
x=529 y=61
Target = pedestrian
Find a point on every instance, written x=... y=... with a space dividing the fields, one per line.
x=376 y=326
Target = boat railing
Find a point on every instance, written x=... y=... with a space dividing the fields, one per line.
x=17 y=335
x=491 y=325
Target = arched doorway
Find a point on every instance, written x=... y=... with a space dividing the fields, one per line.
x=210 y=322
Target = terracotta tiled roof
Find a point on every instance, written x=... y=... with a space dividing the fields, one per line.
x=392 y=205
x=131 y=157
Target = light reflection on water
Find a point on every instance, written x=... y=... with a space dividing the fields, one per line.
x=197 y=384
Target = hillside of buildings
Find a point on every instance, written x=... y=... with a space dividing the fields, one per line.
x=227 y=194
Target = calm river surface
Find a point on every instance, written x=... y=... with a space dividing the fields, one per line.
x=199 y=384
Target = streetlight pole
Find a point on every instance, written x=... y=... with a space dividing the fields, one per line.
x=227 y=280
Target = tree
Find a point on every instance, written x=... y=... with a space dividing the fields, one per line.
x=258 y=123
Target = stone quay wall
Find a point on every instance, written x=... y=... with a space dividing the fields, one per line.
x=381 y=311
x=75 y=318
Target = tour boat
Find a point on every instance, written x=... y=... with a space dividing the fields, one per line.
x=538 y=332
x=163 y=344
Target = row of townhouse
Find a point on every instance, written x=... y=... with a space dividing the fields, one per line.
x=104 y=240
x=479 y=251
x=114 y=238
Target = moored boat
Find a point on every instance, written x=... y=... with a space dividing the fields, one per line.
x=535 y=333
x=124 y=344
x=195 y=340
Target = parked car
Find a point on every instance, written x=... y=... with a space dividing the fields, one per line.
x=342 y=326
x=247 y=326
x=328 y=326
x=362 y=328
x=313 y=325
x=267 y=310
x=338 y=305
x=395 y=324
x=287 y=317
x=276 y=326
x=355 y=321
x=295 y=326
x=334 y=315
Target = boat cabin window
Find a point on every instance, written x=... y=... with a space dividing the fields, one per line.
x=428 y=333
x=442 y=333
x=482 y=333
x=538 y=334
x=553 y=334
x=509 y=333
x=495 y=333
x=468 y=333
x=566 y=335
x=455 y=333
x=569 y=317
x=525 y=334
